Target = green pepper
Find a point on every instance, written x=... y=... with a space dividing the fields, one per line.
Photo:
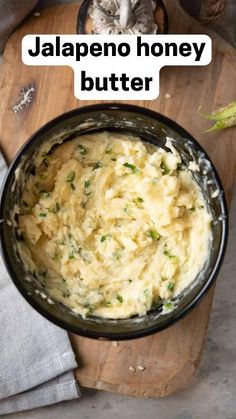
x=42 y=214
x=138 y=201
x=170 y=286
x=120 y=298
x=132 y=167
x=70 y=178
x=82 y=149
x=168 y=305
x=153 y=234
x=87 y=183
x=225 y=117
x=55 y=209
x=164 y=168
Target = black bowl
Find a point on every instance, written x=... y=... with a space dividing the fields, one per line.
x=151 y=127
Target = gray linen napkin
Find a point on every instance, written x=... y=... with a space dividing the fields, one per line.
x=12 y=12
x=36 y=357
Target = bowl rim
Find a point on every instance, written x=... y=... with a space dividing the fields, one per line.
x=62 y=323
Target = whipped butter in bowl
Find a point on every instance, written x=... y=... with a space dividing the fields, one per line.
x=116 y=220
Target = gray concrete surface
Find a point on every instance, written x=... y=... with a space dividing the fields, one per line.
x=211 y=396
x=213 y=393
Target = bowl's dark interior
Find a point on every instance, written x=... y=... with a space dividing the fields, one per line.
x=153 y=128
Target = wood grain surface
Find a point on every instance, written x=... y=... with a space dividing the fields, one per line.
x=171 y=357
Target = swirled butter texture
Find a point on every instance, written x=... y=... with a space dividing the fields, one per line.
x=112 y=225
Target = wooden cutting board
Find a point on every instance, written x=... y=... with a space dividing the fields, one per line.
x=171 y=357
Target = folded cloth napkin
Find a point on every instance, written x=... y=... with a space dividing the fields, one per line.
x=36 y=357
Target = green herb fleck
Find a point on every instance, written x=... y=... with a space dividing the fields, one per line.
x=165 y=169
x=169 y=255
x=169 y=305
x=72 y=255
x=117 y=254
x=192 y=209
x=114 y=159
x=138 y=201
x=170 y=286
x=146 y=293
x=55 y=209
x=132 y=167
x=87 y=183
x=70 y=177
x=179 y=166
x=120 y=298
x=103 y=238
x=90 y=307
x=82 y=149
x=153 y=234
x=130 y=280
x=126 y=208
x=56 y=255
x=108 y=151
x=157 y=303
x=42 y=214
x=108 y=304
